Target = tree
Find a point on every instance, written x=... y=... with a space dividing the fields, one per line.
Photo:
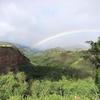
x=93 y=54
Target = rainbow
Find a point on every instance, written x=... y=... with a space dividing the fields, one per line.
x=62 y=34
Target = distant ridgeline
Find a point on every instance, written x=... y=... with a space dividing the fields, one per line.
x=10 y=58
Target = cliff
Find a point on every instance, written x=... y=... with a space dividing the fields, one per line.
x=10 y=58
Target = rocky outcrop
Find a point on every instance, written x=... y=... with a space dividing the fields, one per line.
x=11 y=58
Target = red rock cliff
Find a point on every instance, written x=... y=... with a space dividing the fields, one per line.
x=10 y=57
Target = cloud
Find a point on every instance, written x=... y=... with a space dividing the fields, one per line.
x=5 y=28
x=30 y=21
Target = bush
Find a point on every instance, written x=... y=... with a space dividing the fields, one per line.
x=12 y=85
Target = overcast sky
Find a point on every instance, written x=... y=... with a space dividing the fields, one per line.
x=31 y=21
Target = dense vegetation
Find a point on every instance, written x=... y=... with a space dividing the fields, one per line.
x=54 y=74
x=15 y=87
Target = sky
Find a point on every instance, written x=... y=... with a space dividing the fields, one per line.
x=41 y=23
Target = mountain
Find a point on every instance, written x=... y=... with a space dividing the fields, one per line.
x=24 y=49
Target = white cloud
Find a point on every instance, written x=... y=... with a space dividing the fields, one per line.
x=40 y=19
x=5 y=28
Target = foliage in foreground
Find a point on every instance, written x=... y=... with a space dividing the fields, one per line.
x=93 y=54
x=15 y=87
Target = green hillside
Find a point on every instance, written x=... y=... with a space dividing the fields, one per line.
x=68 y=62
x=54 y=74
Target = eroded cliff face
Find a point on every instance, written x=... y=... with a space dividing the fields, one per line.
x=10 y=58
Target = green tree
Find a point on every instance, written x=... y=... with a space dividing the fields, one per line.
x=12 y=86
x=93 y=54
